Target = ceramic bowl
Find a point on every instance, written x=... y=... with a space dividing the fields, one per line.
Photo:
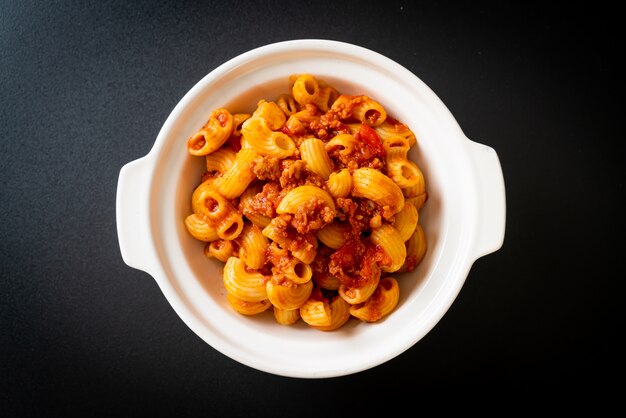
x=463 y=219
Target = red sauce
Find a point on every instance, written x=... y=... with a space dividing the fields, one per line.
x=292 y=172
x=329 y=125
x=367 y=152
x=374 y=305
x=321 y=262
x=211 y=204
x=357 y=212
x=199 y=143
x=410 y=263
x=306 y=242
x=393 y=121
x=356 y=263
x=266 y=202
x=317 y=295
x=279 y=260
x=222 y=117
x=371 y=139
x=233 y=142
x=312 y=215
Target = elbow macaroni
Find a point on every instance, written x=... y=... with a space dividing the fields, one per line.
x=388 y=238
x=220 y=160
x=316 y=313
x=213 y=135
x=246 y=201
x=377 y=187
x=339 y=315
x=237 y=178
x=243 y=284
x=260 y=137
x=307 y=90
x=340 y=183
x=286 y=316
x=289 y=295
x=406 y=221
x=247 y=308
x=221 y=249
x=380 y=304
x=313 y=151
x=300 y=196
x=333 y=235
x=310 y=201
x=252 y=246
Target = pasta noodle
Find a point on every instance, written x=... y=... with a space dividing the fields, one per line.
x=239 y=119
x=328 y=282
x=200 y=228
x=313 y=151
x=377 y=187
x=393 y=128
x=340 y=183
x=213 y=135
x=415 y=250
x=333 y=235
x=289 y=295
x=301 y=195
x=310 y=201
x=247 y=308
x=219 y=161
x=287 y=104
x=339 y=315
x=390 y=239
x=307 y=90
x=237 y=178
x=259 y=136
x=246 y=201
x=358 y=294
x=380 y=304
x=252 y=246
x=406 y=221
x=242 y=283
x=316 y=313
x=286 y=316
x=221 y=249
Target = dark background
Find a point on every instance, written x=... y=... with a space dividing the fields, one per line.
x=85 y=88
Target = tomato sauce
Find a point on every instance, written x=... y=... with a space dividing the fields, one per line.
x=356 y=263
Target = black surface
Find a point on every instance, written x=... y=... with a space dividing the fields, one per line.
x=84 y=89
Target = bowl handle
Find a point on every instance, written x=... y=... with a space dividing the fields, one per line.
x=491 y=199
x=133 y=215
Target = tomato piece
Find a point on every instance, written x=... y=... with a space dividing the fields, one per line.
x=371 y=138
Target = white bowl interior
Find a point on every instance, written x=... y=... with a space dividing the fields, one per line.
x=193 y=283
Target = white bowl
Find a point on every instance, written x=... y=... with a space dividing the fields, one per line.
x=463 y=219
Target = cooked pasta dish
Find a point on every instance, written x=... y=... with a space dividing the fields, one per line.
x=312 y=204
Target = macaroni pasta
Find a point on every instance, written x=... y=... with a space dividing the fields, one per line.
x=311 y=202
